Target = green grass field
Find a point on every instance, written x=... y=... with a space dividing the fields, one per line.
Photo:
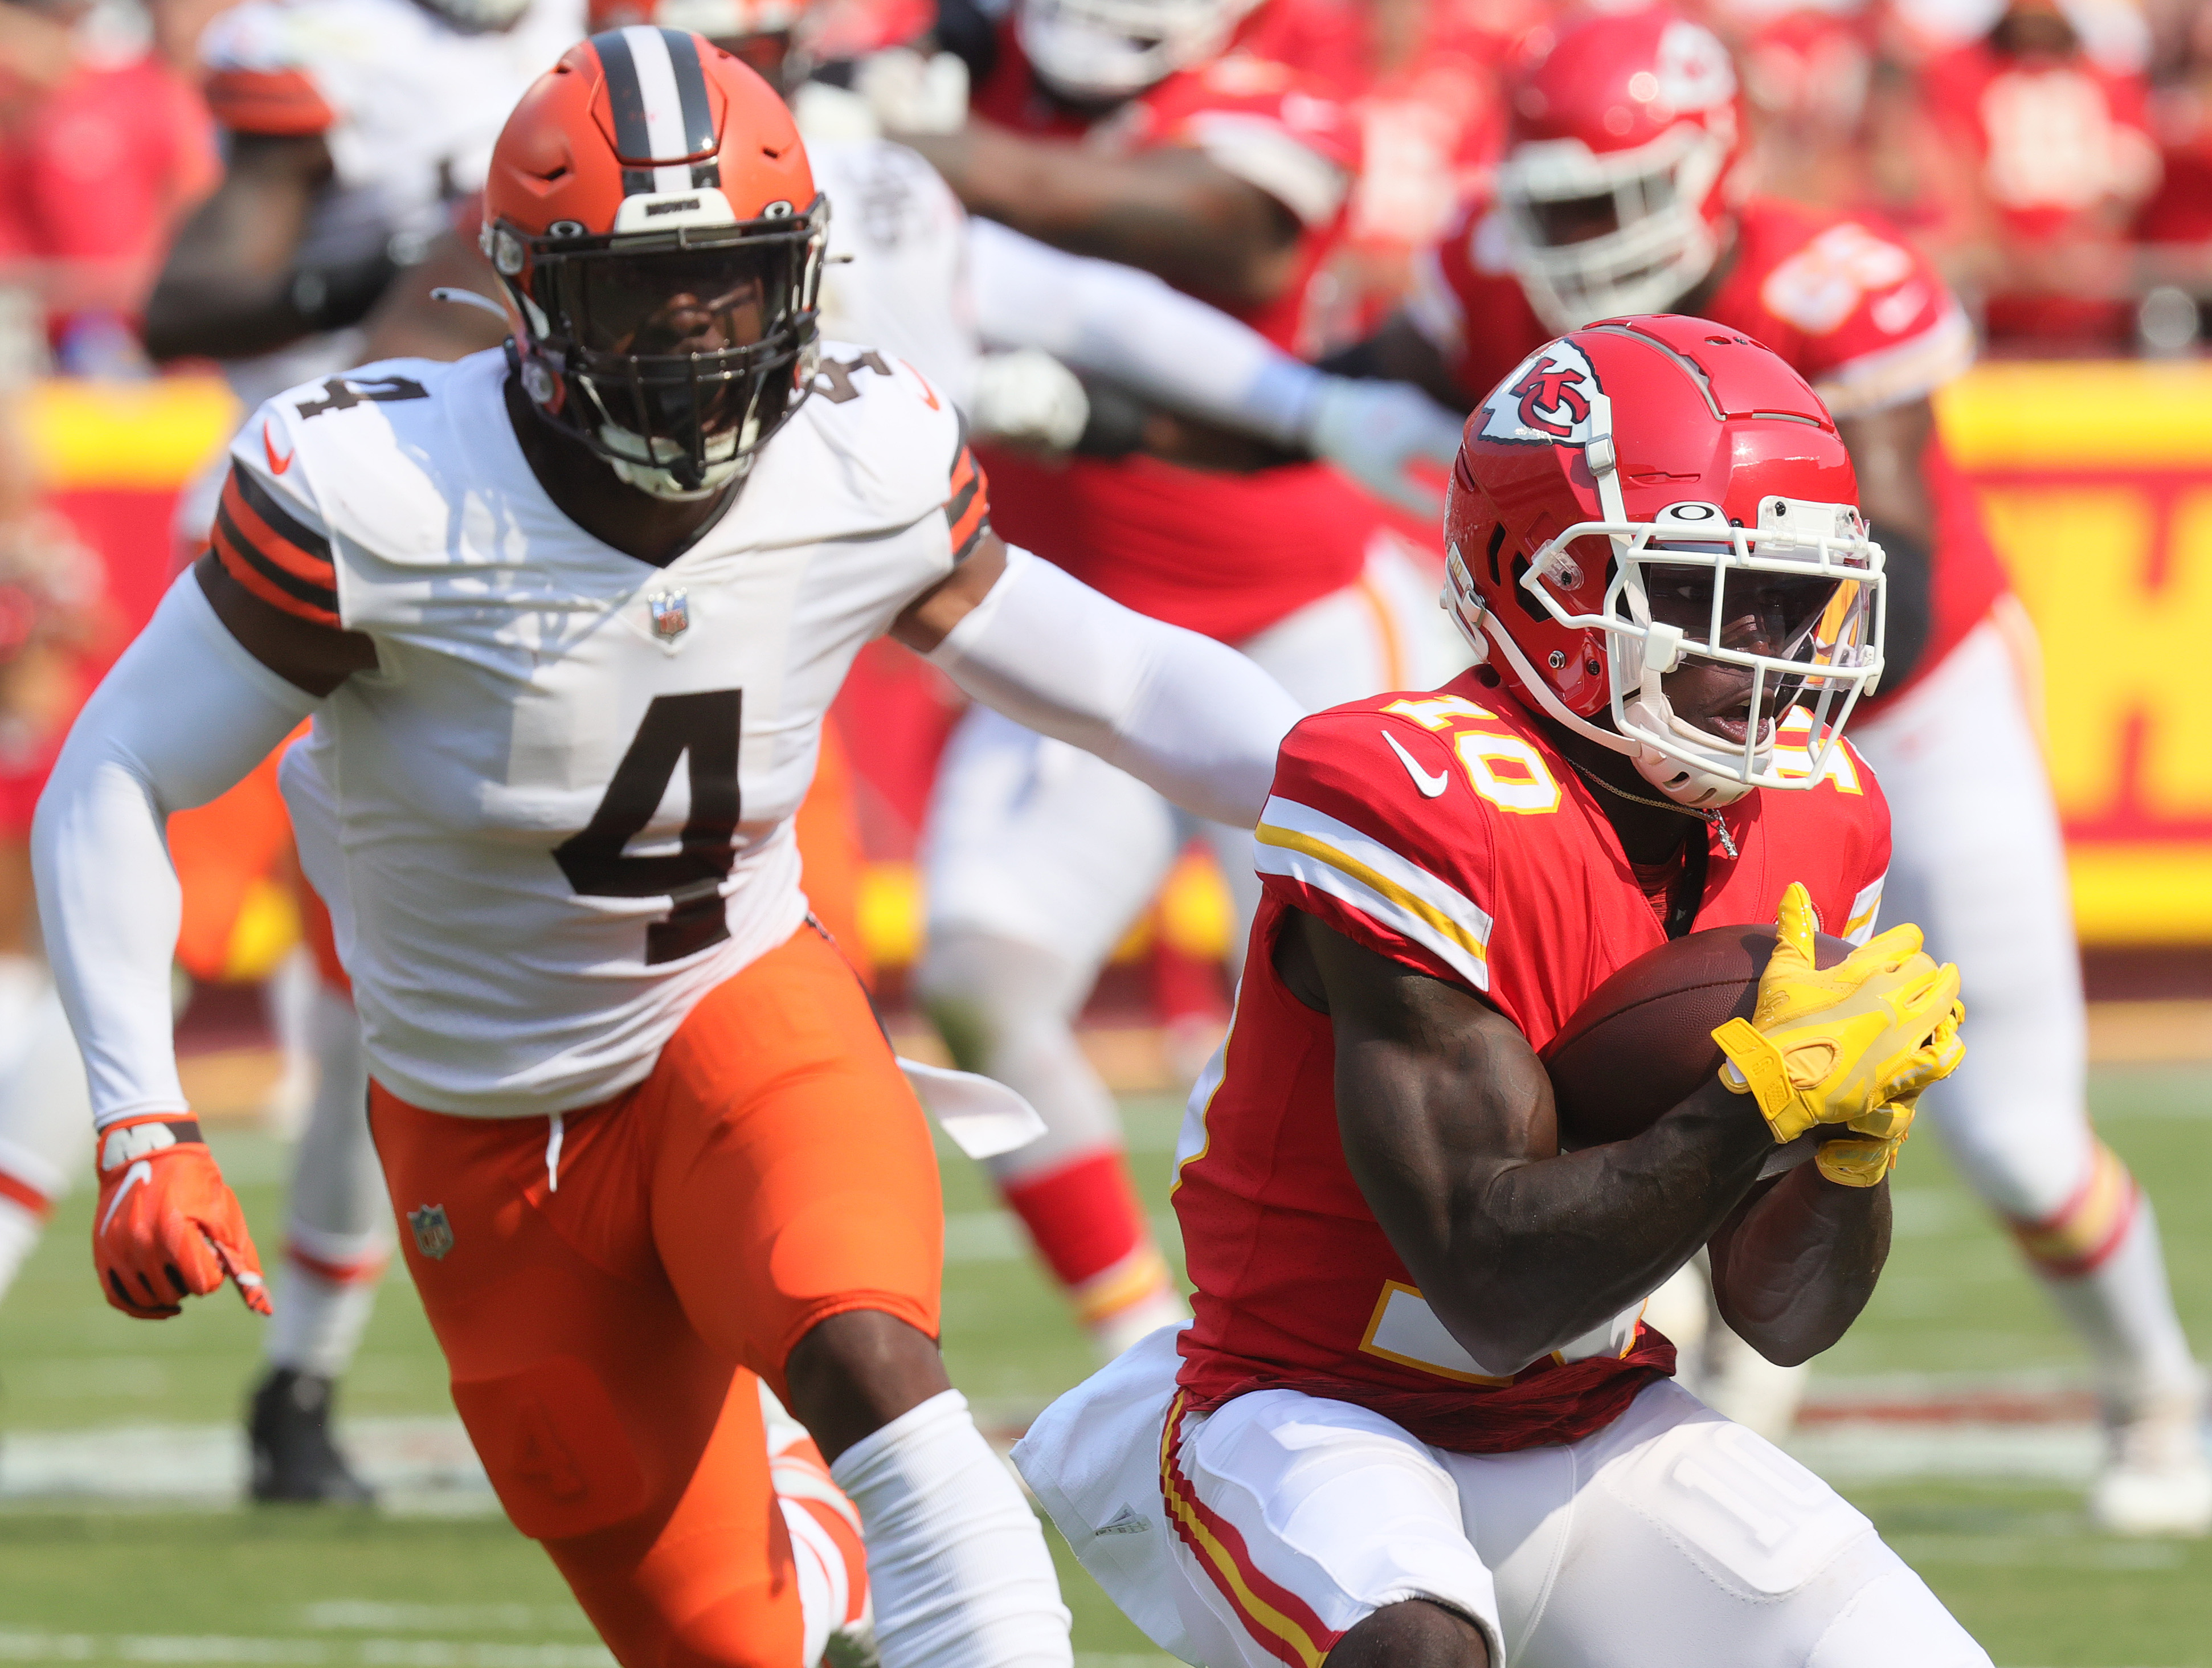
x=2013 y=1558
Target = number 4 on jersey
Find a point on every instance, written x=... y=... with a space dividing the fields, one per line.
x=703 y=729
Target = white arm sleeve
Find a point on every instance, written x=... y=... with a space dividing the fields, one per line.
x=184 y=714
x=1182 y=713
x=1137 y=329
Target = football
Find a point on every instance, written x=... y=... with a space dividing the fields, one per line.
x=1642 y=1042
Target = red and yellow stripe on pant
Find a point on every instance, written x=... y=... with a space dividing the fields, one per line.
x=1279 y=1621
x=2081 y=1233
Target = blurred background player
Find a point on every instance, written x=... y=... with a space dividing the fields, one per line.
x=349 y=128
x=2055 y=157
x=1170 y=138
x=1619 y=192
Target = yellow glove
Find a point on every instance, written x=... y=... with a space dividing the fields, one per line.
x=1865 y=1162
x=1829 y=1046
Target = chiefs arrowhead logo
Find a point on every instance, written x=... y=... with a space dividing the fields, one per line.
x=1549 y=398
x=276 y=465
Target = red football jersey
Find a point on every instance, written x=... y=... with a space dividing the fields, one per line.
x=1225 y=554
x=1853 y=309
x=1443 y=831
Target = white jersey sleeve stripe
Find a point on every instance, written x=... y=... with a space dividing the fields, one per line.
x=1303 y=844
x=1911 y=370
x=1864 y=908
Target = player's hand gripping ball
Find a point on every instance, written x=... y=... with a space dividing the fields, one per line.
x=1843 y=1045
x=1872 y=1155
x=167 y=1227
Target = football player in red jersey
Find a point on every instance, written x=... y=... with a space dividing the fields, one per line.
x=1163 y=134
x=1618 y=191
x=1418 y=1418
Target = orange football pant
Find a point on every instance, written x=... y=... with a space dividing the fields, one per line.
x=774 y=1170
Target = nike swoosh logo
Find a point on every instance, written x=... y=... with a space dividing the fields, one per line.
x=927 y=393
x=1430 y=786
x=140 y=1171
x=276 y=465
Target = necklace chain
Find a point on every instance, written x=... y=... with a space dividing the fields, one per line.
x=1713 y=819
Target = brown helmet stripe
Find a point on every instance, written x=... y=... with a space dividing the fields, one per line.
x=657 y=95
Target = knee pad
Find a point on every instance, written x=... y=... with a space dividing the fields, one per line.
x=555 y=1448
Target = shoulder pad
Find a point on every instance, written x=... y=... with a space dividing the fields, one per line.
x=372 y=447
x=872 y=448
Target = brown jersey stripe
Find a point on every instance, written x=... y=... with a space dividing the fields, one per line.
x=967 y=512
x=278 y=519
x=251 y=529
x=241 y=566
x=273 y=103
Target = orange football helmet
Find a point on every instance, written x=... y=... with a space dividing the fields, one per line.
x=655 y=225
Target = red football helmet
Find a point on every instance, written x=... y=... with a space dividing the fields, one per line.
x=1652 y=497
x=1104 y=51
x=653 y=221
x=1626 y=133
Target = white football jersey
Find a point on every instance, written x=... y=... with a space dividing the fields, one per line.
x=413 y=106
x=559 y=811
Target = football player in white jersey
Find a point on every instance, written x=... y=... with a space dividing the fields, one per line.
x=567 y=619
x=349 y=126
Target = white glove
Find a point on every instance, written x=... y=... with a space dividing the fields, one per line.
x=911 y=93
x=1373 y=430
x=1029 y=398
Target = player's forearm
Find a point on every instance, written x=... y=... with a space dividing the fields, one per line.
x=1541 y=1253
x=229 y=288
x=236 y=315
x=1794 y=1269
x=1183 y=714
x=1131 y=326
x=1171 y=212
x=182 y=716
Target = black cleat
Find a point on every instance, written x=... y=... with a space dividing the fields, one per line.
x=288 y=1426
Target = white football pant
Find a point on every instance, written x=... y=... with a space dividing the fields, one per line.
x=1671 y=1539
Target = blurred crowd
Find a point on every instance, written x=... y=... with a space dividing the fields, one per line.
x=2053 y=156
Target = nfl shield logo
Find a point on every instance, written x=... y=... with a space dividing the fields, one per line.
x=433 y=1234
x=671 y=614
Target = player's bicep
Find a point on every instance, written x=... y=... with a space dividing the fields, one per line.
x=929 y=618
x=306 y=653
x=1435 y=1088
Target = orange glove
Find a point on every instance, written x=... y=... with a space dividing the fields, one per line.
x=167 y=1227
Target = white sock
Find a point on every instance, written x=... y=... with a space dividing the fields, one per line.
x=956 y=1561
x=19 y=1227
x=2122 y=1310
x=319 y=1321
